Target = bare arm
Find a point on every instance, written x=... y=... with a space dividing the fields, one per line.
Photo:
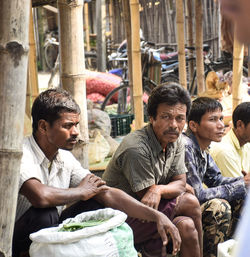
x=118 y=199
x=152 y=195
x=43 y=196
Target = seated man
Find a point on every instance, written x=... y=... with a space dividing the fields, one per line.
x=51 y=177
x=149 y=165
x=205 y=124
x=235 y=161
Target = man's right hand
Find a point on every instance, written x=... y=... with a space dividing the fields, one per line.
x=165 y=227
x=91 y=185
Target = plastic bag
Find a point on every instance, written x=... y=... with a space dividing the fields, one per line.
x=112 y=238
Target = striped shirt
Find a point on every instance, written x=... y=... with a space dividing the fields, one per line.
x=64 y=172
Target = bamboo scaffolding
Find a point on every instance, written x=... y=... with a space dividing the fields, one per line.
x=136 y=60
x=199 y=46
x=14 y=45
x=181 y=43
x=238 y=55
x=86 y=26
x=72 y=65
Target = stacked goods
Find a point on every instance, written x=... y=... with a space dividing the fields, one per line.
x=99 y=84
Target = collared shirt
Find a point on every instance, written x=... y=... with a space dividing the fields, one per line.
x=140 y=162
x=230 y=157
x=202 y=169
x=64 y=172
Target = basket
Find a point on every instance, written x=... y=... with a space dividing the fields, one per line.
x=120 y=124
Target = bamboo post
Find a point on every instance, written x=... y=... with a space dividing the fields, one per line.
x=127 y=22
x=190 y=39
x=136 y=60
x=181 y=43
x=238 y=55
x=72 y=65
x=86 y=27
x=33 y=78
x=199 y=46
x=14 y=45
x=101 y=41
x=111 y=20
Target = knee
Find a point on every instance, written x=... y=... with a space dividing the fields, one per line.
x=44 y=217
x=187 y=230
x=190 y=205
x=219 y=209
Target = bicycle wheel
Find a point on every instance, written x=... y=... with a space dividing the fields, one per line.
x=118 y=89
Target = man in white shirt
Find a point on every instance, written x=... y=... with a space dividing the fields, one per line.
x=50 y=177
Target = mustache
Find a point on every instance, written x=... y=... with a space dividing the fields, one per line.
x=72 y=138
x=171 y=131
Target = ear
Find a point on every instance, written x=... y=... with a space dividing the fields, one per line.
x=240 y=124
x=193 y=126
x=151 y=119
x=42 y=126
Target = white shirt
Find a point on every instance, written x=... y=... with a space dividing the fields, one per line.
x=65 y=171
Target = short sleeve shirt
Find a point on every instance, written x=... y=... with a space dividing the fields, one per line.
x=64 y=172
x=140 y=162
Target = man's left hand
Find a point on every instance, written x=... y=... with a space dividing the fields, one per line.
x=152 y=197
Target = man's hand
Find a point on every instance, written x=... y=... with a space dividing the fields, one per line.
x=91 y=185
x=189 y=189
x=246 y=178
x=165 y=227
x=152 y=197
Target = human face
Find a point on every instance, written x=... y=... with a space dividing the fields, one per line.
x=211 y=128
x=242 y=132
x=64 y=131
x=169 y=122
x=238 y=11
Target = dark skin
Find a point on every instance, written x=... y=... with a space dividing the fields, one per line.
x=62 y=134
x=168 y=125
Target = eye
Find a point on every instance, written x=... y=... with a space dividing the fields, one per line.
x=180 y=119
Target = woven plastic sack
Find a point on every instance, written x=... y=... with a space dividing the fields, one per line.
x=112 y=238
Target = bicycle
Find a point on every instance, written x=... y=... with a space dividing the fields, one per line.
x=170 y=73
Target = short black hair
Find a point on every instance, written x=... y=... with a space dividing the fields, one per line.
x=242 y=112
x=202 y=105
x=171 y=94
x=50 y=104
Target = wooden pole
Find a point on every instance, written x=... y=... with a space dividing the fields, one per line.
x=136 y=60
x=101 y=41
x=33 y=78
x=111 y=20
x=199 y=46
x=14 y=45
x=86 y=27
x=190 y=38
x=72 y=65
x=181 y=43
x=127 y=22
x=238 y=55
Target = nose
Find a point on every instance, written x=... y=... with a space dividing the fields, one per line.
x=75 y=131
x=221 y=124
x=173 y=123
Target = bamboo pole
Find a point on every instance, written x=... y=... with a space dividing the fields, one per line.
x=33 y=78
x=136 y=60
x=111 y=20
x=238 y=55
x=14 y=45
x=181 y=43
x=101 y=41
x=86 y=26
x=190 y=38
x=199 y=46
x=127 y=22
x=72 y=65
